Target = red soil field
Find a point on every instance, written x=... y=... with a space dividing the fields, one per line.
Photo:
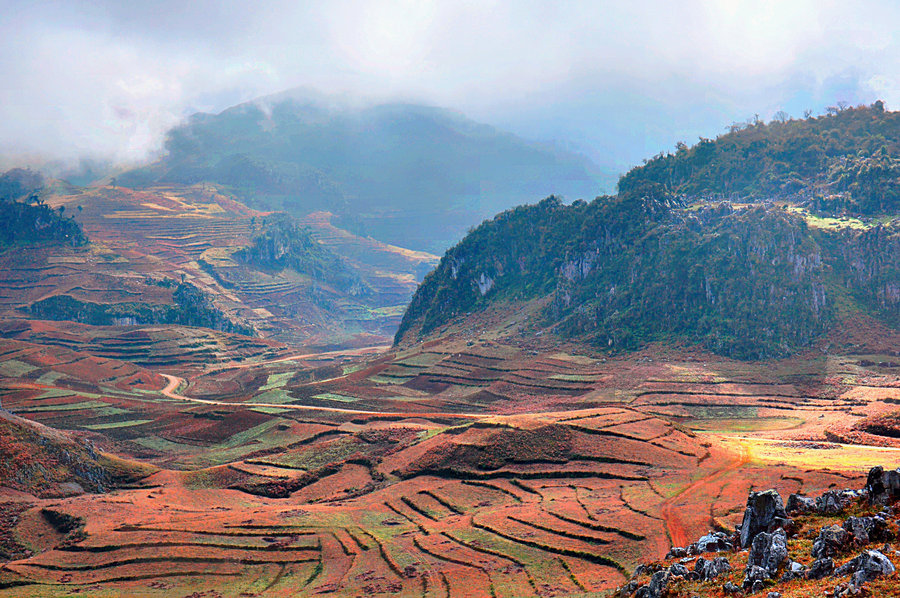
x=458 y=469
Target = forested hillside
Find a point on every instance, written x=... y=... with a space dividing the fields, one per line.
x=847 y=160
x=25 y=218
x=760 y=276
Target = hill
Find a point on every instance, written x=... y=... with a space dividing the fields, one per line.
x=846 y=161
x=46 y=462
x=748 y=278
x=175 y=256
x=24 y=217
x=411 y=175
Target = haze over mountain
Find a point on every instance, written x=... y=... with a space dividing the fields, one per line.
x=411 y=175
x=620 y=82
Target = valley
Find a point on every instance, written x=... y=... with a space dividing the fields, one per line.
x=203 y=398
x=427 y=470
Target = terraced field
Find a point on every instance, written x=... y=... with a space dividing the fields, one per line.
x=145 y=242
x=315 y=459
x=451 y=468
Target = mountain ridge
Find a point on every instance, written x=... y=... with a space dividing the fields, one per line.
x=748 y=278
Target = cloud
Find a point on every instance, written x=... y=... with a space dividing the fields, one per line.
x=621 y=80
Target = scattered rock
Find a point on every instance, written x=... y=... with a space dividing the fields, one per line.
x=676 y=552
x=646 y=569
x=867 y=566
x=800 y=504
x=764 y=512
x=656 y=587
x=765 y=529
x=768 y=551
x=713 y=542
x=820 y=568
x=867 y=529
x=833 y=502
x=883 y=486
x=678 y=570
x=831 y=541
x=708 y=570
x=755 y=578
x=794 y=570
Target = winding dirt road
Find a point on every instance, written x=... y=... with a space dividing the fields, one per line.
x=236 y=365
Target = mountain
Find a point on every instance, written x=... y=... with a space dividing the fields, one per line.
x=846 y=161
x=509 y=444
x=411 y=175
x=762 y=275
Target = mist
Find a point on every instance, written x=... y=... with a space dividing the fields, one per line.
x=618 y=83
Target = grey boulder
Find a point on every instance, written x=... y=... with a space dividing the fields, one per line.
x=765 y=511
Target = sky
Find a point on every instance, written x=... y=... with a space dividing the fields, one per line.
x=618 y=81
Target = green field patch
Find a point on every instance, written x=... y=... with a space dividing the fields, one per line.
x=421 y=359
x=721 y=411
x=349 y=369
x=401 y=399
x=261 y=437
x=389 y=311
x=113 y=425
x=162 y=445
x=15 y=368
x=66 y=407
x=829 y=223
x=50 y=377
x=426 y=434
x=110 y=411
x=54 y=393
x=247 y=436
x=331 y=396
x=579 y=359
x=755 y=424
x=279 y=397
x=311 y=458
x=270 y=410
x=540 y=564
x=277 y=380
x=378 y=379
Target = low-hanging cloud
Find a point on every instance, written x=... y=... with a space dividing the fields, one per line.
x=619 y=81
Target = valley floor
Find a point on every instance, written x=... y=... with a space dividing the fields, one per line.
x=457 y=467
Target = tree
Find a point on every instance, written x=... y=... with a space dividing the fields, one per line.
x=782 y=116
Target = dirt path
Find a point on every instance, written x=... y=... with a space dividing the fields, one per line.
x=235 y=365
x=675 y=527
x=176 y=381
